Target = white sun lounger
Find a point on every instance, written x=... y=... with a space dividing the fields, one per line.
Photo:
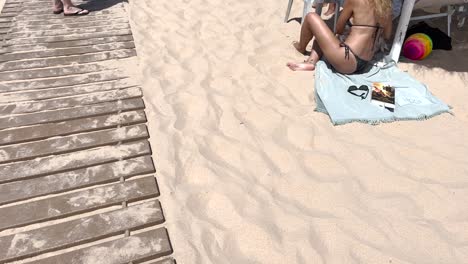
x=318 y=9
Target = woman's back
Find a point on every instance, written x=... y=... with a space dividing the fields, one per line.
x=367 y=27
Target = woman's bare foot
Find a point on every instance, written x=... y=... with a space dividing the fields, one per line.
x=297 y=46
x=301 y=66
x=331 y=9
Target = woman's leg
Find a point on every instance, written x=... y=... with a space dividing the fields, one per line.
x=305 y=38
x=58 y=7
x=314 y=26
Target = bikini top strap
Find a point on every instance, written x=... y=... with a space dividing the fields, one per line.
x=370 y=26
x=377 y=27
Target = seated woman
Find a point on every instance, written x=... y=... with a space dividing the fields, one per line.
x=371 y=20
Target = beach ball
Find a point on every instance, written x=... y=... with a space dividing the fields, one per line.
x=417 y=46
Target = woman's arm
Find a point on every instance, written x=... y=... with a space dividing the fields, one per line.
x=345 y=15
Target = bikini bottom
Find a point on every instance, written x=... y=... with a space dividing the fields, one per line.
x=361 y=64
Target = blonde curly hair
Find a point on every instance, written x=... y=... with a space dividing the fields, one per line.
x=382 y=7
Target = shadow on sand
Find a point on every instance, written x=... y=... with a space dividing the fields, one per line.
x=98 y=5
x=450 y=60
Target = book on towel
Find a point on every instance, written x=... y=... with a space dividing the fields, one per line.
x=383 y=95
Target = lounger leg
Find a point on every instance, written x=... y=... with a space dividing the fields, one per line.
x=450 y=11
x=337 y=13
x=401 y=30
x=463 y=12
x=288 y=11
x=307 y=7
x=318 y=7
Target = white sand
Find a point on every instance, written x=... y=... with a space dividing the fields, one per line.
x=249 y=173
x=2 y=3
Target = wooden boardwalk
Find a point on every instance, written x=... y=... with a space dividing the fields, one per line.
x=77 y=179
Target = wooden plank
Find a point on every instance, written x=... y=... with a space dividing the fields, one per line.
x=6 y=15
x=43 y=94
x=12 y=4
x=69 y=23
x=71 y=180
x=71 y=161
x=77 y=202
x=71 y=113
x=71 y=43
x=27 y=15
x=90 y=5
x=66 y=51
x=79 y=100
x=59 y=81
x=51 y=72
x=6 y=19
x=164 y=261
x=31 y=26
x=9 y=5
x=10 y=12
x=83 y=230
x=42 y=5
x=52 y=146
x=37 y=132
x=64 y=38
x=54 y=19
x=68 y=60
x=11 y=9
x=109 y=4
x=69 y=31
x=136 y=248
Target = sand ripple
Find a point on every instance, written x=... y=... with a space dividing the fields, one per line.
x=249 y=173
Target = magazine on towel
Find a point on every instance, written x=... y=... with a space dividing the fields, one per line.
x=383 y=95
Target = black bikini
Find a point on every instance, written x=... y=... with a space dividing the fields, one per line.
x=361 y=64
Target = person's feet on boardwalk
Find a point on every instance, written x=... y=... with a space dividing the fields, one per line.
x=68 y=9
x=58 y=7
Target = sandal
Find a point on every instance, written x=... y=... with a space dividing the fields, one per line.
x=79 y=12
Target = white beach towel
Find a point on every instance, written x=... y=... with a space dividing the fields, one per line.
x=413 y=101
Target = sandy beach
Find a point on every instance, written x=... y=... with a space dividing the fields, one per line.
x=250 y=173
